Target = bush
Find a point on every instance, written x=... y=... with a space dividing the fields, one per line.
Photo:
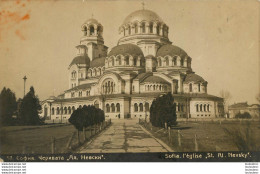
x=245 y=115
x=163 y=110
x=86 y=116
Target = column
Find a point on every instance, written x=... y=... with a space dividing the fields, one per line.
x=88 y=31
x=161 y=30
x=95 y=30
x=154 y=28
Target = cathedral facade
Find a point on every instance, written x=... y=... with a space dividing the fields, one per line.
x=124 y=81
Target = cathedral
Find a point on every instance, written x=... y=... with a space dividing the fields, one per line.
x=124 y=81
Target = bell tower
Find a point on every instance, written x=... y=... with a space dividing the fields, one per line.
x=93 y=39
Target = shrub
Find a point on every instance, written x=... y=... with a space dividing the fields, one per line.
x=245 y=115
x=163 y=110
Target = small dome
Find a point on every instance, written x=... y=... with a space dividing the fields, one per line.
x=91 y=21
x=142 y=15
x=155 y=79
x=193 y=78
x=170 y=50
x=126 y=49
x=80 y=60
x=98 y=62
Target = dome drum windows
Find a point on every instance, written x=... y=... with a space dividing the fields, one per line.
x=124 y=61
x=92 y=28
x=154 y=87
x=144 y=27
x=95 y=72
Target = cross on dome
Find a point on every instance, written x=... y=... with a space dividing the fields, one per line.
x=143 y=4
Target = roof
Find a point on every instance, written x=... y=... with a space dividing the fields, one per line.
x=80 y=60
x=154 y=94
x=155 y=79
x=126 y=49
x=192 y=77
x=142 y=15
x=83 y=86
x=91 y=21
x=171 y=50
x=97 y=62
x=142 y=75
x=239 y=105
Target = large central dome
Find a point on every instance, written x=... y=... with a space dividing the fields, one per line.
x=142 y=15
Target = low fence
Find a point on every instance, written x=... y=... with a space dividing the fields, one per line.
x=187 y=137
x=215 y=119
x=69 y=143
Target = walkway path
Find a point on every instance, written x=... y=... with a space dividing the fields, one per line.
x=124 y=136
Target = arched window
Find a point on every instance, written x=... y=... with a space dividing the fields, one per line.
x=129 y=30
x=92 y=30
x=159 y=62
x=205 y=108
x=119 y=61
x=201 y=108
x=175 y=61
x=135 y=61
x=182 y=108
x=113 y=107
x=65 y=110
x=146 y=105
x=136 y=28
x=73 y=108
x=167 y=61
x=141 y=107
x=117 y=107
x=61 y=110
x=57 y=111
x=190 y=87
x=107 y=108
x=96 y=104
x=151 y=28
x=143 y=27
x=199 y=87
x=52 y=111
x=69 y=110
x=80 y=106
x=181 y=62
x=208 y=108
x=197 y=108
x=127 y=60
x=135 y=107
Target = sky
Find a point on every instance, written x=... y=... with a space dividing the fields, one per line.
x=38 y=39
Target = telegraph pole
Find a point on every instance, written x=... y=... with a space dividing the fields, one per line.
x=24 y=80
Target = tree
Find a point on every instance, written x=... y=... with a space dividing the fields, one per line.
x=163 y=110
x=30 y=108
x=244 y=115
x=226 y=97
x=8 y=106
x=85 y=117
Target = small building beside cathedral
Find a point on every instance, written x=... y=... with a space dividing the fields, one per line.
x=124 y=81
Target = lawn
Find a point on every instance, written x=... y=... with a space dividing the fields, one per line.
x=29 y=139
x=210 y=136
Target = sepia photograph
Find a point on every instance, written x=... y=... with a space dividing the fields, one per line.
x=129 y=81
